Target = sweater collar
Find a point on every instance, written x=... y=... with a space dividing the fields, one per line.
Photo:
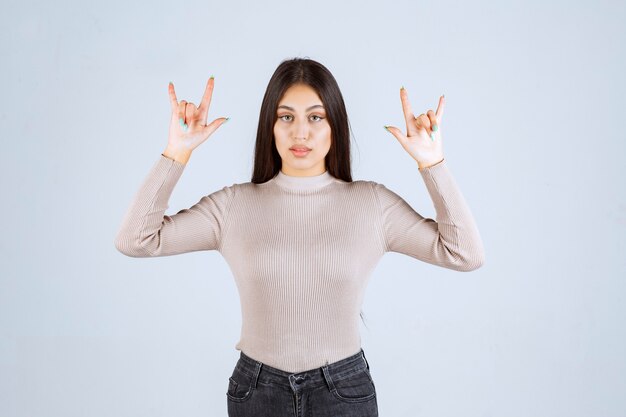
x=303 y=183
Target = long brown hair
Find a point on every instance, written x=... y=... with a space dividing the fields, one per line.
x=267 y=161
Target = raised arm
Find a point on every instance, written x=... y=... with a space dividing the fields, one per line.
x=146 y=230
x=451 y=241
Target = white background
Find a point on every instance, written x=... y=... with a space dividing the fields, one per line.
x=532 y=133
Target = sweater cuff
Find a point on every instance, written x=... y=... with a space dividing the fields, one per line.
x=166 y=157
x=432 y=166
x=168 y=169
x=441 y=184
x=172 y=163
x=434 y=170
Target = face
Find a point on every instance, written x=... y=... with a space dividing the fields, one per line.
x=302 y=123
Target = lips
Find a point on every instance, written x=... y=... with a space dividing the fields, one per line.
x=300 y=151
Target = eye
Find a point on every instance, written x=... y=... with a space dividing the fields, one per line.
x=288 y=115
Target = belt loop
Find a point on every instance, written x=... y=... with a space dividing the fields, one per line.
x=366 y=363
x=327 y=377
x=257 y=371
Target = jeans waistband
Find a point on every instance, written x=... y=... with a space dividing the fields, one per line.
x=308 y=379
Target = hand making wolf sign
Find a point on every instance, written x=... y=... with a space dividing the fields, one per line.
x=423 y=138
x=188 y=128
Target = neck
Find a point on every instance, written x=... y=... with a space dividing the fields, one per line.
x=303 y=183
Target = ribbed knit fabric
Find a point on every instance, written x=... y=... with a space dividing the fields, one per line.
x=301 y=250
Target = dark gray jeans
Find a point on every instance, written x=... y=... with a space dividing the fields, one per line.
x=340 y=389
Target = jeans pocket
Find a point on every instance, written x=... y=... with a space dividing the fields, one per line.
x=355 y=387
x=240 y=386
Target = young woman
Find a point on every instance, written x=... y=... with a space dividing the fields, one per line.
x=302 y=238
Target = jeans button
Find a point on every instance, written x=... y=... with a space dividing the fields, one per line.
x=299 y=380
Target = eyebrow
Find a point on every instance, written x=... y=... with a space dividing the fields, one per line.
x=292 y=109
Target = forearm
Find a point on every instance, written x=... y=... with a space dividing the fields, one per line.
x=138 y=235
x=457 y=229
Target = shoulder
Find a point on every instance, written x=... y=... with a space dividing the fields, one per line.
x=361 y=187
x=372 y=190
x=358 y=184
x=374 y=187
x=385 y=197
x=365 y=187
x=241 y=189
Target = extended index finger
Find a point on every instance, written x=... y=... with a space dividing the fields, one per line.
x=206 y=98
x=409 y=117
x=173 y=100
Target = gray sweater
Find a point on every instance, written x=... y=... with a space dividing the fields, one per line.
x=301 y=250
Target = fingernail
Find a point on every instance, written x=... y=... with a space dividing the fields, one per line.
x=385 y=126
x=185 y=127
x=402 y=88
x=171 y=82
x=435 y=128
x=227 y=119
x=181 y=122
x=432 y=136
x=211 y=76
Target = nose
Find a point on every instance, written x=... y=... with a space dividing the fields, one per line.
x=301 y=130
